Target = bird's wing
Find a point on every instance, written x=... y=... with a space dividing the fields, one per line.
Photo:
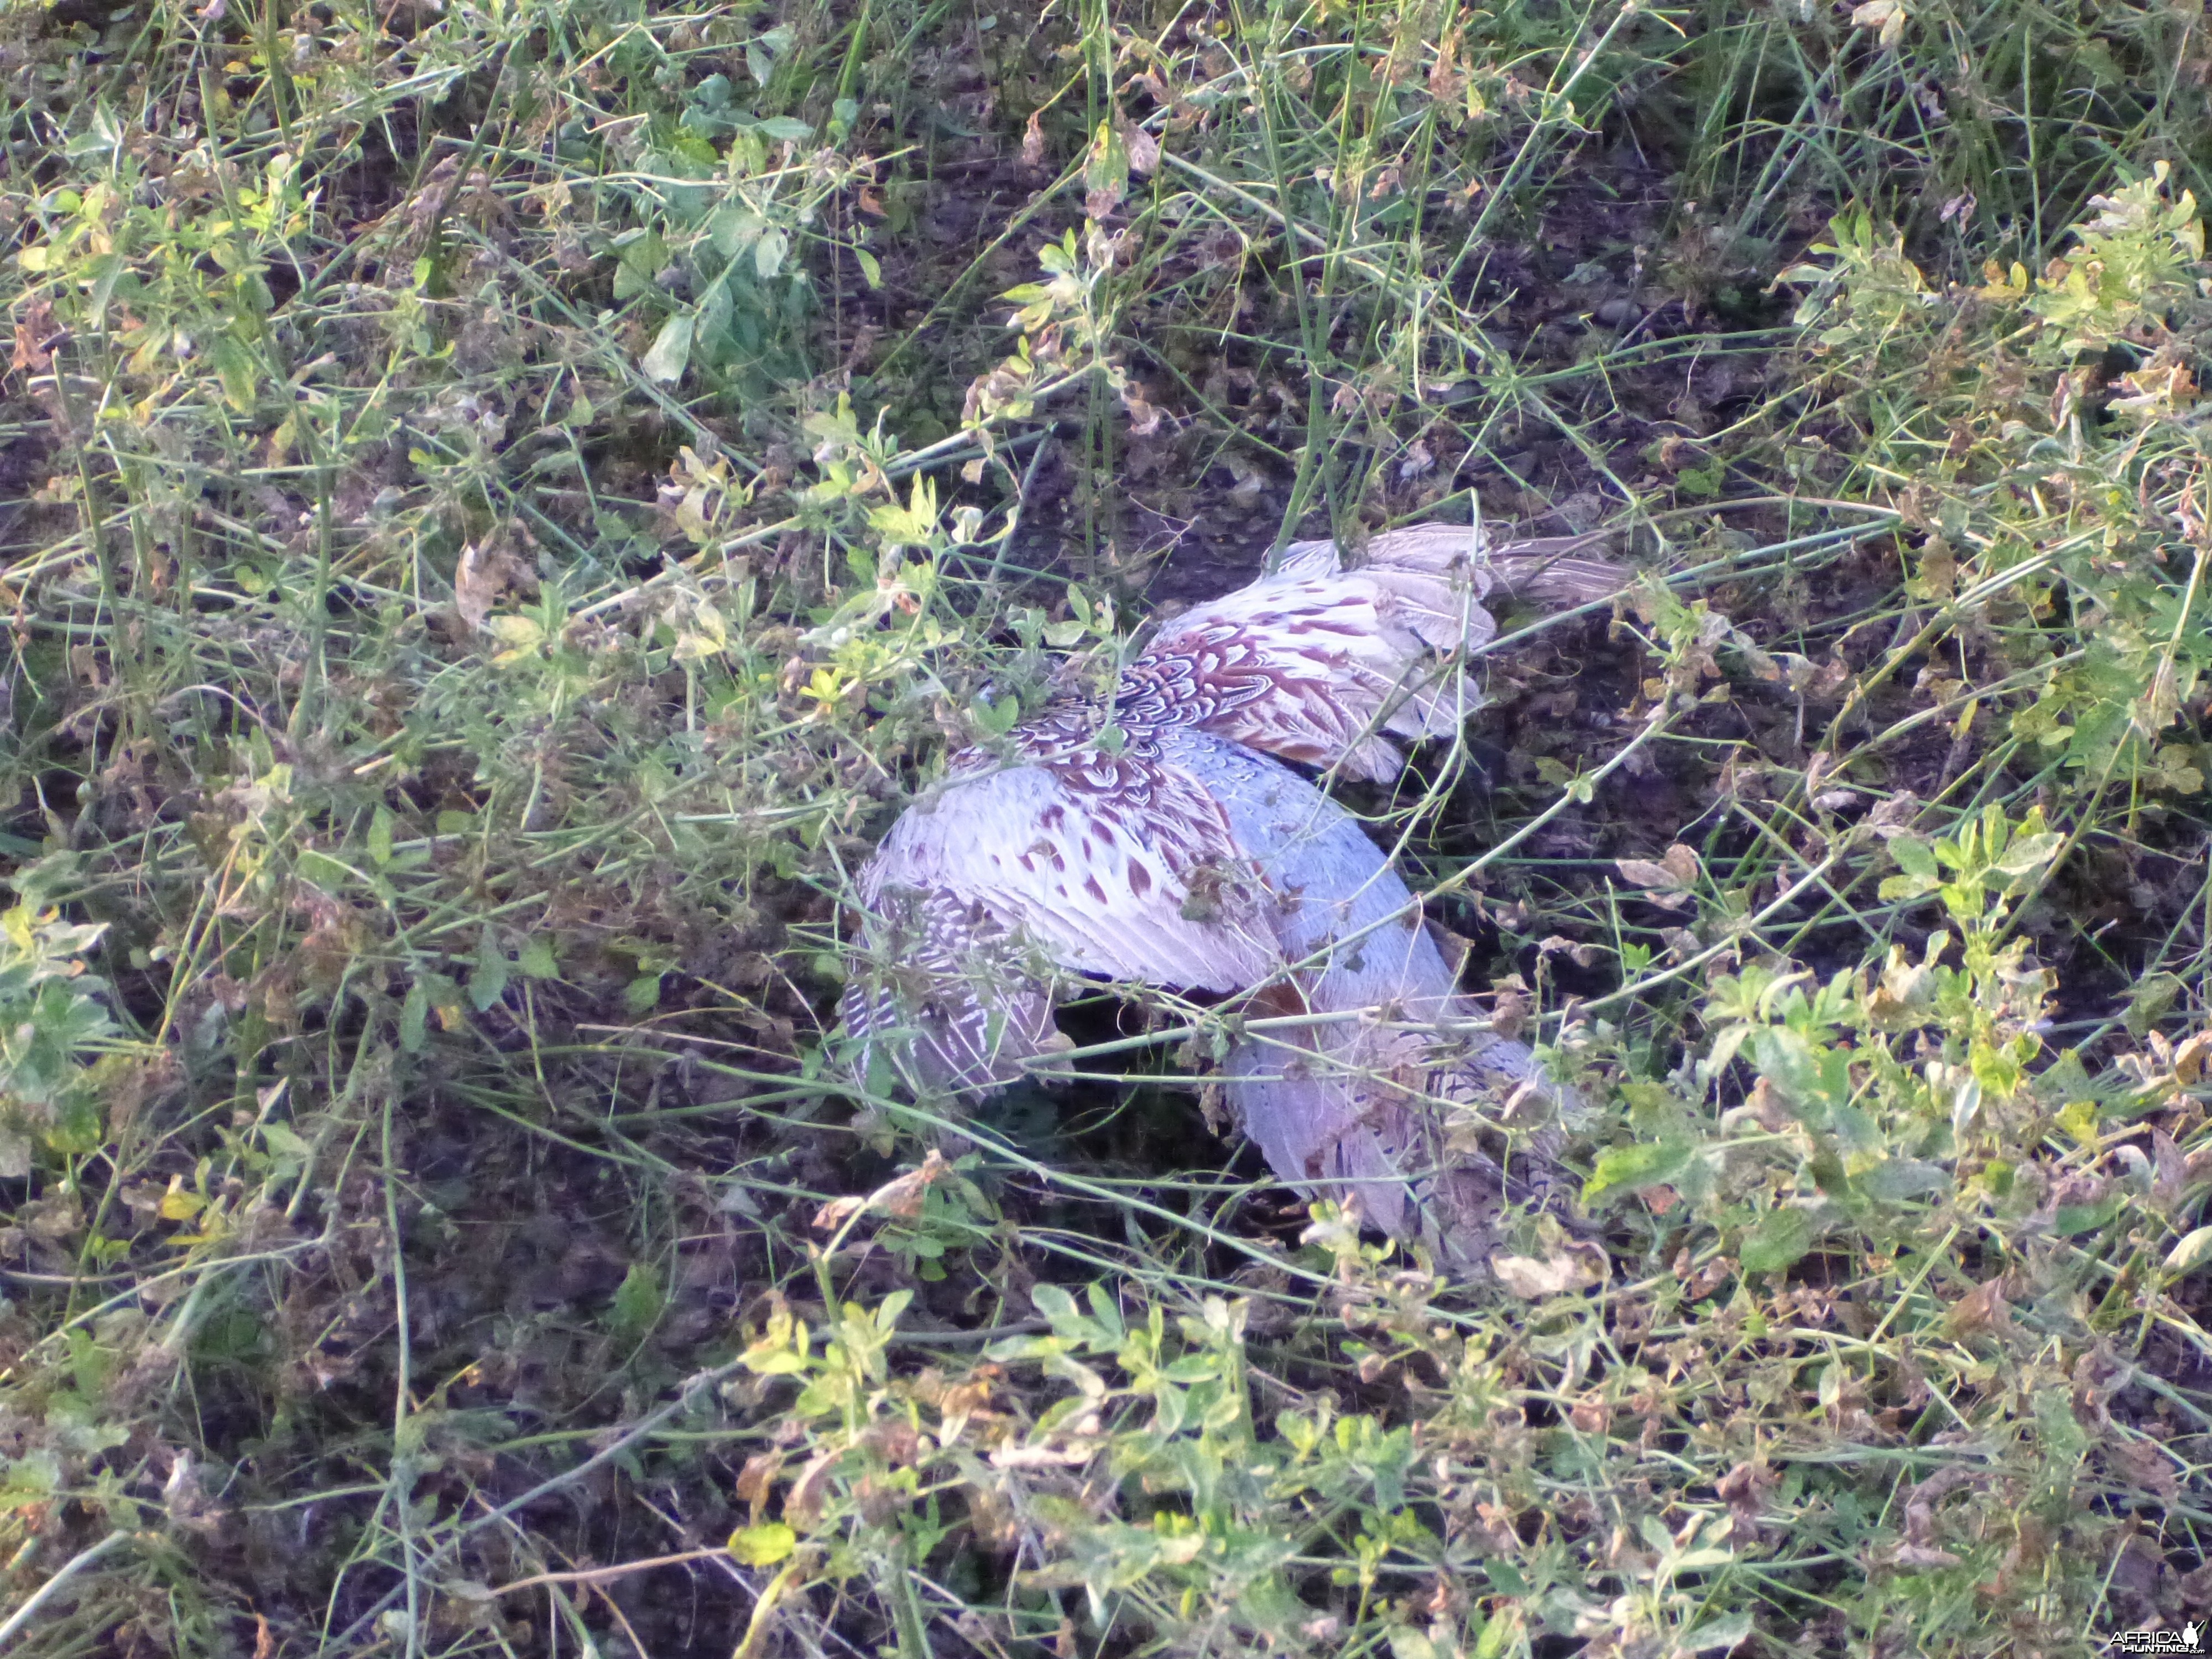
x=946 y=994
x=1321 y=664
x=1120 y=866
x=1313 y=668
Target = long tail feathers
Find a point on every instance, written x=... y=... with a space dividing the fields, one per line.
x=1556 y=570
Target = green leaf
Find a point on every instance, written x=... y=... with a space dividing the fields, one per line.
x=285 y=1142
x=996 y=718
x=1012 y=1348
x=1815 y=1080
x=488 y=978
x=1105 y=1311
x=536 y=958
x=1106 y=171
x=671 y=351
x=637 y=1305
x=1701 y=483
x=733 y=228
x=413 y=1017
x=2031 y=852
x=520 y=636
x=1054 y=1303
x=2152 y=997
x=763 y=1546
x=1507 y=1580
x=1781 y=1237
x=379 y=837
x=1647 y=1163
x=1715 y=1635
x=323 y=871
x=1896 y=1179
x=2073 y=1219
x=235 y=367
x=768 y=252
x=1914 y=857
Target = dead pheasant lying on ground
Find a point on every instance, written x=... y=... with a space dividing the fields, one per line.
x=1187 y=858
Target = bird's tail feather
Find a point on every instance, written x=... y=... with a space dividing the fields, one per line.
x=1549 y=569
x=1558 y=570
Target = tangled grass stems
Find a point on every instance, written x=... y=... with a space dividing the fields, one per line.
x=503 y=506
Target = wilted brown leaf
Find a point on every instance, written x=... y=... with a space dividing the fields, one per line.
x=2188 y=1059
x=1143 y=147
x=834 y=1214
x=757 y=1478
x=487 y=570
x=1745 y=1489
x=1677 y=869
x=1528 y=1278
x=1981 y=1309
x=802 y=1506
x=35 y=330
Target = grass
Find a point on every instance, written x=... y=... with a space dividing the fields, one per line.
x=503 y=504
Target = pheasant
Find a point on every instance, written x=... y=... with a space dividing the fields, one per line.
x=1164 y=841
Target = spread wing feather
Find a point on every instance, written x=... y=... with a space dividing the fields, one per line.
x=945 y=993
x=989 y=892
x=1131 y=876
x=1321 y=664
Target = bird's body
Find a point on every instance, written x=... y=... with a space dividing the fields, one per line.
x=1183 y=855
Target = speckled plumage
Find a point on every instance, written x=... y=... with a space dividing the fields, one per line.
x=1189 y=858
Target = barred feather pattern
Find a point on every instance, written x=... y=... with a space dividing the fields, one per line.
x=1189 y=856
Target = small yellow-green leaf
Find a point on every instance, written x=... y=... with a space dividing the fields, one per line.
x=181 y=1206
x=763 y=1546
x=2079 y=1119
